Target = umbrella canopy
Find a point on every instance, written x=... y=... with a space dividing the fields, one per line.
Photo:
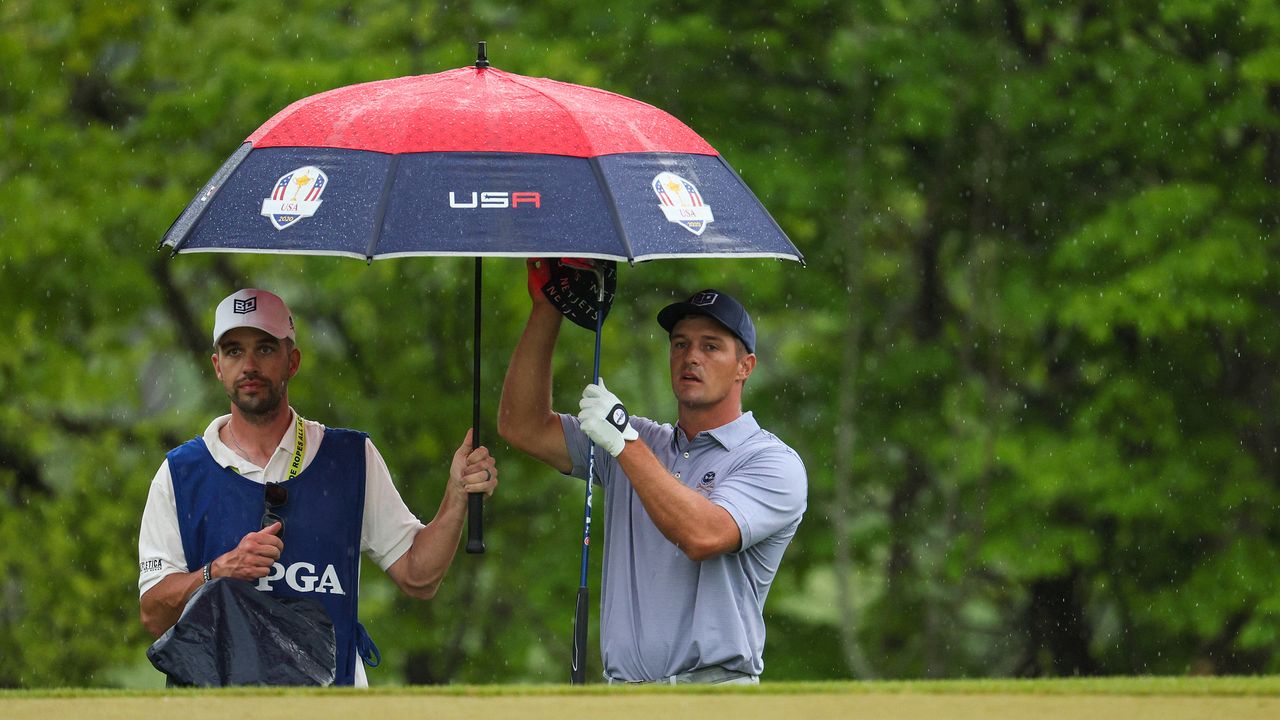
x=477 y=162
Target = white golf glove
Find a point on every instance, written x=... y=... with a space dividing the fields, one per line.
x=604 y=419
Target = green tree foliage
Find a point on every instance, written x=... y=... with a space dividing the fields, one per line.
x=1030 y=364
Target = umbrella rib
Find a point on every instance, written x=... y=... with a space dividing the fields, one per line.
x=178 y=233
x=586 y=139
x=595 y=168
x=375 y=233
x=618 y=227
x=734 y=174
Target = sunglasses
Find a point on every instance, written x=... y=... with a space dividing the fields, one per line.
x=276 y=496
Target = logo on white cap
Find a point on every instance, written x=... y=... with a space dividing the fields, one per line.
x=244 y=307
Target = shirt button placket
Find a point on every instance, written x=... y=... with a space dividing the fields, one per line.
x=678 y=467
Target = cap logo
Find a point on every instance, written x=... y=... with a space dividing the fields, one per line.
x=681 y=202
x=296 y=196
x=244 y=307
x=703 y=299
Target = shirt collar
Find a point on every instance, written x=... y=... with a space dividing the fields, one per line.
x=729 y=435
x=227 y=457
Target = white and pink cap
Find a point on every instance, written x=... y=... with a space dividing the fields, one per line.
x=256 y=309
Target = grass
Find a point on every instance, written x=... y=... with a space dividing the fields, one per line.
x=1140 y=698
x=1263 y=686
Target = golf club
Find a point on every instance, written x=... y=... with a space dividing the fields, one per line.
x=579 y=669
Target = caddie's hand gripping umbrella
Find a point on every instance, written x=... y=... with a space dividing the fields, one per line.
x=478 y=162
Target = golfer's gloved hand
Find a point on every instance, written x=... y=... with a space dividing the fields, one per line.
x=604 y=419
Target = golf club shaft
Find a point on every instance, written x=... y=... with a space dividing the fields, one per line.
x=475 y=501
x=579 y=676
x=579 y=668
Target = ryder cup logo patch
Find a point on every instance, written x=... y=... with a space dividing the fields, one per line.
x=296 y=196
x=244 y=307
x=682 y=203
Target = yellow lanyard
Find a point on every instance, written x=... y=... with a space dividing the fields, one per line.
x=299 y=450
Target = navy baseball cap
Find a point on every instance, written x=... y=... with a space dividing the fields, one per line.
x=716 y=305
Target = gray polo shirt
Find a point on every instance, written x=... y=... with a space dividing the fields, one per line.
x=660 y=612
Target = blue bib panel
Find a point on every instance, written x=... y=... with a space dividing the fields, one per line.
x=322 y=522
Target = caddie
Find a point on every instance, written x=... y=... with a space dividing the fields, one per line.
x=267 y=496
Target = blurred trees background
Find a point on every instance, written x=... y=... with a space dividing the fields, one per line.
x=1031 y=364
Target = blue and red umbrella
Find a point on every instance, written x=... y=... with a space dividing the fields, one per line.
x=479 y=162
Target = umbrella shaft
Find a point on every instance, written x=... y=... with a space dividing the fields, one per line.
x=475 y=501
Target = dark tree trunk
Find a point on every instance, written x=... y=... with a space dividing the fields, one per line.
x=1057 y=631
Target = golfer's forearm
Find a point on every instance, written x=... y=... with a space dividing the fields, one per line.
x=525 y=417
x=161 y=606
x=526 y=390
x=698 y=527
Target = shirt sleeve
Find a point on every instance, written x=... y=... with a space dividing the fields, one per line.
x=160 y=550
x=576 y=442
x=579 y=445
x=764 y=494
x=388 y=527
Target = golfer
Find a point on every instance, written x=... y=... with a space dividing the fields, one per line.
x=697 y=516
x=272 y=498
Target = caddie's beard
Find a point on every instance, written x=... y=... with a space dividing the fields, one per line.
x=261 y=407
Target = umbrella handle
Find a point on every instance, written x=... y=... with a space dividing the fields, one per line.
x=475 y=501
x=475 y=524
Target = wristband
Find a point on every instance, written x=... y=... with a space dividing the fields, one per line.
x=208 y=573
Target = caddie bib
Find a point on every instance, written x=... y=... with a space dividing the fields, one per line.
x=322 y=522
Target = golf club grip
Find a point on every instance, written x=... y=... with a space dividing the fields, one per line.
x=579 y=668
x=475 y=523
